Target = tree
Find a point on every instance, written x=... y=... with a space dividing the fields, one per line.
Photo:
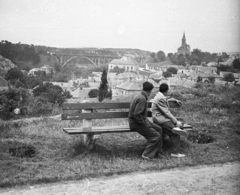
x=152 y=54
x=167 y=74
x=103 y=88
x=14 y=75
x=172 y=70
x=211 y=79
x=195 y=63
x=161 y=56
x=199 y=79
x=57 y=67
x=117 y=70
x=229 y=77
x=181 y=60
x=225 y=55
x=53 y=93
x=93 y=93
x=236 y=63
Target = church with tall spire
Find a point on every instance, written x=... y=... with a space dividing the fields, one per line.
x=185 y=48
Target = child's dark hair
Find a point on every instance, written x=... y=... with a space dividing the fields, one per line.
x=147 y=86
x=163 y=87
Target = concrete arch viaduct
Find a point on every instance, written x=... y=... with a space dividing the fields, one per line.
x=63 y=59
x=96 y=60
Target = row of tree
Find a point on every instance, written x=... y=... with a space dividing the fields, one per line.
x=196 y=57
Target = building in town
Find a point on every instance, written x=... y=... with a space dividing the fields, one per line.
x=127 y=63
x=184 y=48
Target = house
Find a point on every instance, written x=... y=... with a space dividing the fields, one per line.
x=132 y=87
x=116 y=79
x=183 y=70
x=46 y=68
x=236 y=75
x=157 y=75
x=81 y=94
x=177 y=82
x=204 y=69
x=127 y=63
x=212 y=64
x=163 y=66
x=205 y=76
x=143 y=73
x=3 y=84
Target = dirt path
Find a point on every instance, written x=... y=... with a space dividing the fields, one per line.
x=215 y=179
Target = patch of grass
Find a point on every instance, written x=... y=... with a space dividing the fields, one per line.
x=59 y=156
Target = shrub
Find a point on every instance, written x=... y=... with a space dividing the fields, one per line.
x=93 y=93
x=52 y=93
x=38 y=105
x=11 y=99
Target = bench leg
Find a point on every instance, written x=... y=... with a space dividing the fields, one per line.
x=90 y=139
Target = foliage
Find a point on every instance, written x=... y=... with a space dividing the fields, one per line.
x=181 y=60
x=229 y=77
x=109 y=94
x=93 y=93
x=236 y=64
x=33 y=81
x=11 y=99
x=14 y=75
x=161 y=56
x=52 y=93
x=211 y=79
x=152 y=54
x=19 y=52
x=38 y=106
x=60 y=157
x=199 y=79
x=222 y=67
x=103 y=88
x=172 y=70
x=117 y=70
x=57 y=67
x=167 y=74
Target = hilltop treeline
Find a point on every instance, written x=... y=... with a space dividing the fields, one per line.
x=19 y=52
x=197 y=57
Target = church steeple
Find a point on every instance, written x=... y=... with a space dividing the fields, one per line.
x=184 y=38
x=185 y=48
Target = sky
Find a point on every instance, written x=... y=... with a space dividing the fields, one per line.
x=152 y=25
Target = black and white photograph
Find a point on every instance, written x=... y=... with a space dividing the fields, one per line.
x=119 y=97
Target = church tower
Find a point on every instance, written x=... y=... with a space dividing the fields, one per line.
x=185 y=48
x=184 y=39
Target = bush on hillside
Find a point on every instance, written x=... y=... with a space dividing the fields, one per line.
x=52 y=93
x=11 y=99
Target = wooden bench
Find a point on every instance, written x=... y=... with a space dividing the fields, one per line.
x=89 y=111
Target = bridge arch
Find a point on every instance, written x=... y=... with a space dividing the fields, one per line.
x=78 y=57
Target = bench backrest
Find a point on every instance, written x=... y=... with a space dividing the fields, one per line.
x=100 y=110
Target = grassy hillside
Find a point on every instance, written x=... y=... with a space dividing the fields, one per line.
x=213 y=112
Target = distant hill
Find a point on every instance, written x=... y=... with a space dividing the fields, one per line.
x=26 y=57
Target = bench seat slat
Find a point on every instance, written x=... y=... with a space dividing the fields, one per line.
x=108 y=129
